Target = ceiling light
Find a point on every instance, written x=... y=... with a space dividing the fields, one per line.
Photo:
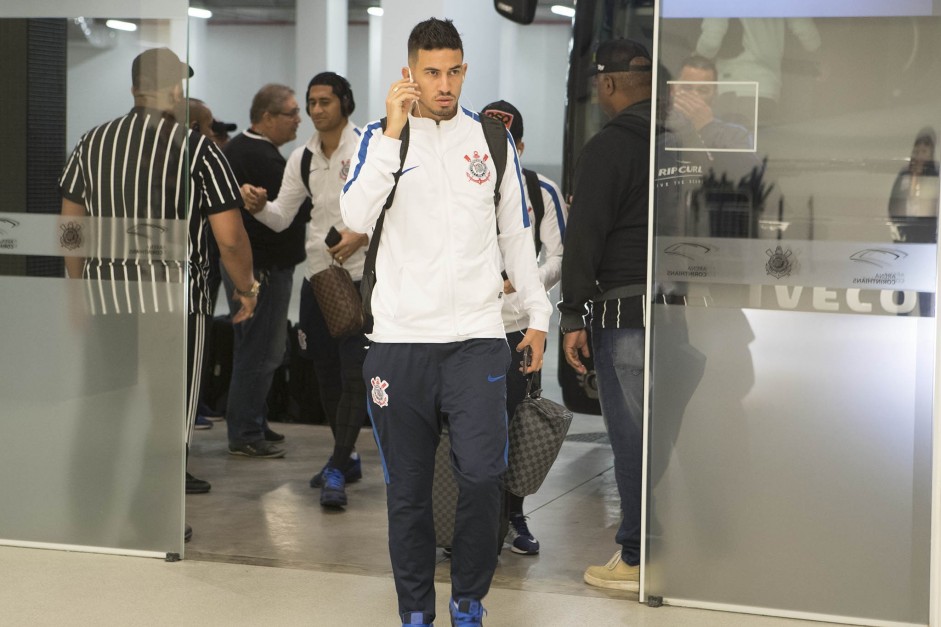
x=204 y=14
x=119 y=25
x=377 y=11
x=564 y=11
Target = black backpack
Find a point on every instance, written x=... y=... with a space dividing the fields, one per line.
x=539 y=209
x=494 y=133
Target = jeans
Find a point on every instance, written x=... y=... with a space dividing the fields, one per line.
x=619 y=364
x=259 y=347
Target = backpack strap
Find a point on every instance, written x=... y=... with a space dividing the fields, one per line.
x=495 y=134
x=369 y=267
x=539 y=209
x=305 y=168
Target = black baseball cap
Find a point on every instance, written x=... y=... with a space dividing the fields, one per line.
x=222 y=128
x=159 y=68
x=618 y=55
x=509 y=115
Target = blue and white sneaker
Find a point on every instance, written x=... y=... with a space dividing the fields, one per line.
x=520 y=539
x=466 y=613
x=416 y=619
x=202 y=423
x=333 y=492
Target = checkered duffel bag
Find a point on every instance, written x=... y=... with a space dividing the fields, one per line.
x=536 y=434
x=444 y=492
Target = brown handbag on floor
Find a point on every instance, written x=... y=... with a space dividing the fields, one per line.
x=339 y=301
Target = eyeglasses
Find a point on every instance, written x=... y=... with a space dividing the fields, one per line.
x=293 y=113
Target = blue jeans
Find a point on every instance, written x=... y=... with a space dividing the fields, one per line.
x=259 y=346
x=619 y=365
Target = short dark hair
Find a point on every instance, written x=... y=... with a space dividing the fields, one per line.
x=434 y=34
x=269 y=99
x=341 y=89
x=700 y=63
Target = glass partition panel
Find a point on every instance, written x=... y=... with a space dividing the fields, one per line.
x=793 y=308
x=93 y=375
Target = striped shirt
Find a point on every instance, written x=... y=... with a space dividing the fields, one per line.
x=135 y=167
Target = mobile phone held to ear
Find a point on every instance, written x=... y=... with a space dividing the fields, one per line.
x=333 y=237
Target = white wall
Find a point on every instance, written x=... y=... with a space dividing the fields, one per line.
x=238 y=61
x=233 y=61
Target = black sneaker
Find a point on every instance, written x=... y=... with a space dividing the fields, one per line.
x=196 y=486
x=260 y=449
x=273 y=436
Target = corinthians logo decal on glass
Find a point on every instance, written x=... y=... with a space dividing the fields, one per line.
x=477 y=170
x=779 y=262
x=71 y=237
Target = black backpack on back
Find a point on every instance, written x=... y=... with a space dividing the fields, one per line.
x=539 y=209
x=494 y=133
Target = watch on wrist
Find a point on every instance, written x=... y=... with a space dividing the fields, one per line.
x=250 y=292
x=565 y=330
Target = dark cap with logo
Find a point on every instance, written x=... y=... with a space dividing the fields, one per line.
x=621 y=55
x=158 y=68
x=509 y=115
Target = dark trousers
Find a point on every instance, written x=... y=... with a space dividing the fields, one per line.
x=409 y=387
x=195 y=350
x=338 y=363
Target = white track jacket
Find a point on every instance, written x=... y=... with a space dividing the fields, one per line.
x=439 y=259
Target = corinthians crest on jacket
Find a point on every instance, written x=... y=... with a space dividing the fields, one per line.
x=477 y=170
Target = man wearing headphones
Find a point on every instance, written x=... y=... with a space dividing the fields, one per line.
x=338 y=362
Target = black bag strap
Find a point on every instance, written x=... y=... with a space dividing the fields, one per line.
x=495 y=134
x=539 y=209
x=534 y=385
x=305 y=168
x=369 y=267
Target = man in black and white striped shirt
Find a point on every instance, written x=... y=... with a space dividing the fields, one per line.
x=148 y=169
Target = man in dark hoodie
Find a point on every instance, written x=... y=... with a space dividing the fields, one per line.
x=605 y=265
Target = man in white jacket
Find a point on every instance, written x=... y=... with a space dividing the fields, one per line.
x=317 y=171
x=438 y=342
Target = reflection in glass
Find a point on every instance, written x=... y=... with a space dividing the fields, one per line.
x=99 y=377
x=794 y=466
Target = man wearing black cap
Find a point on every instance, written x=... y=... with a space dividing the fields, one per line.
x=221 y=131
x=547 y=214
x=133 y=167
x=605 y=265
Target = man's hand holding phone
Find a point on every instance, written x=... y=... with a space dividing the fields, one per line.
x=532 y=347
x=403 y=94
x=342 y=244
